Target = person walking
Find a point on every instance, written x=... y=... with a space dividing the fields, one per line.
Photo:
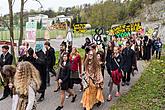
x=158 y=47
x=128 y=61
x=93 y=94
x=40 y=64
x=115 y=62
x=76 y=70
x=50 y=60
x=26 y=83
x=64 y=80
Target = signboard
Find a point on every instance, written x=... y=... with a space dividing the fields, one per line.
x=81 y=27
x=126 y=29
x=31 y=29
x=60 y=26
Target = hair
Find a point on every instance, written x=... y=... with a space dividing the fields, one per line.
x=5 y=47
x=25 y=73
x=9 y=70
x=30 y=52
x=87 y=38
x=75 y=50
x=27 y=44
x=94 y=62
x=112 y=45
x=47 y=43
x=101 y=53
x=128 y=42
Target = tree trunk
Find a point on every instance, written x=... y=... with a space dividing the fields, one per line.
x=11 y=29
x=21 y=24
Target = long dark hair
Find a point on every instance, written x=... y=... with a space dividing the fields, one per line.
x=95 y=64
x=65 y=53
x=101 y=53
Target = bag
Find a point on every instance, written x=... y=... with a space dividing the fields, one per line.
x=84 y=81
x=116 y=76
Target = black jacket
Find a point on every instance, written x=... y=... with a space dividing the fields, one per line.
x=50 y=57
x=8 y=59
x=128 y=59
x=108 y=58
x=40 y=64
x=64 y=74
x=116 y=63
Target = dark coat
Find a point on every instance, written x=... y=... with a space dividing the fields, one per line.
x=50 y=57
x=108 y=59
x=64 y=74
x=114 y=65
x=147 y=49
x=40 y=64
x=129 y=59
x=8 y=59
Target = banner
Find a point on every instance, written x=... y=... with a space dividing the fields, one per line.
x=31 y=29
x=125 y=29
x=81 y=27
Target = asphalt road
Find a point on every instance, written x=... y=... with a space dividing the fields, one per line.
x=52 y=100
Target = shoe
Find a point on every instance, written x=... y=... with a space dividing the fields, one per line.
x=4 y=97
x=59 y=108
x=127 y=83
x=81 y=89
x=123 y=84
x=109 y=98
x=57 y=89
x=74 y=98
x=67 y=97
x=40 y=99
x=117 y=94
x=98 y=104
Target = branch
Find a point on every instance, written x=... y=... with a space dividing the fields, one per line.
x=25 y=1
x=5 y=23
x=13 y=3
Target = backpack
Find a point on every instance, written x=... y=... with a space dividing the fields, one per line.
x=116 y=76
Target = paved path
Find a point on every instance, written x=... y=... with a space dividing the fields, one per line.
x=52 y=99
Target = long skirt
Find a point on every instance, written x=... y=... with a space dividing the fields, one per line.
x=91 y=96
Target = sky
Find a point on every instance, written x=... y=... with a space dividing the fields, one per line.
x=53 y=4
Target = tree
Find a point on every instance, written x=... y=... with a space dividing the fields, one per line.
x=21 y=20
x=11 y=3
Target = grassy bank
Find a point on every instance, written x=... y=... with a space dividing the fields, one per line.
x=5 y=35
x=148 y=93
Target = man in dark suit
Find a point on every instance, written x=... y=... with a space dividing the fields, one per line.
x=6 y=59
x=51 y=60
x=128 y=63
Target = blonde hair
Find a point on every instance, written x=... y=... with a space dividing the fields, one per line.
x=25 y=74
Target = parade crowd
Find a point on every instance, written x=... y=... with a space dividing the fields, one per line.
x=35 y=67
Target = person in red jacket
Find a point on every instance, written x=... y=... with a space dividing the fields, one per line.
x=76 y=70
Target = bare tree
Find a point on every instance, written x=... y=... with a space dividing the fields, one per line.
x=21 y=20
x=11 y=3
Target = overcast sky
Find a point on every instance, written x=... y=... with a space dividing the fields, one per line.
x=53 y=4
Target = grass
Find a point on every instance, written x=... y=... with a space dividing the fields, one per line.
x=80 y=50
x=148 y=93
x=4 y=35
